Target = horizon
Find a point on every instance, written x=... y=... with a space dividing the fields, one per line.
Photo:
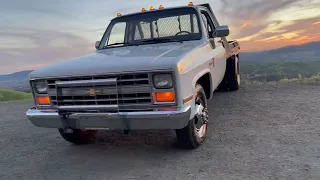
x=243 y=51
x=43 y=33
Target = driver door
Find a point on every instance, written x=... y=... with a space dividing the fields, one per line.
x=217 y=62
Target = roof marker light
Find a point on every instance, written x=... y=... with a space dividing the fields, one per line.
x=161 y=7
x=143 y=10
x=152 y=8
x=190 y=4
x=118 y=14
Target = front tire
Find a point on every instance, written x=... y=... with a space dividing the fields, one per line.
x=194 y=134
x=79 y=136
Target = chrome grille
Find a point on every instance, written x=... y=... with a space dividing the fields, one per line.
x=102 y=93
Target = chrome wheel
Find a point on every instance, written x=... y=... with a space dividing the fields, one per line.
x=194 y=134
x=201 y=118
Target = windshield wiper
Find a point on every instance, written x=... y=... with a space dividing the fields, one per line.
x=160 y=40
x=113 y=44
x=153 y=40
x=122 y=43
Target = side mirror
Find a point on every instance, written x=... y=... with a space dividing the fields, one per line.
x=97 y=44
x=222 y=31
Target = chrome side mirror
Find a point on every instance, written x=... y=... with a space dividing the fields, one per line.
x=97 y=44
x=222 y=31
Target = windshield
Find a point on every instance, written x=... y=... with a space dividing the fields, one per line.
x=172 y=25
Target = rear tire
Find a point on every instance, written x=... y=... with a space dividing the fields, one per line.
x=79 y=136
x=194 y=134
x=231 y=80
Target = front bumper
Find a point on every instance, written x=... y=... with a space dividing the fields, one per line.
x=112 y=121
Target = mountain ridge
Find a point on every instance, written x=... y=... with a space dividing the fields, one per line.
x=304 y=52
x=298 y=53
x=19 y=75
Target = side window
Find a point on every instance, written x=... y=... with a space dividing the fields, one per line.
x=208 y=22
x=205 y=21
x=117 y=34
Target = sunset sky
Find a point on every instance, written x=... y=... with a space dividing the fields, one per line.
x=37 y=33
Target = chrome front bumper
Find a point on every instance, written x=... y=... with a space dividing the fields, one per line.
x=112 y=121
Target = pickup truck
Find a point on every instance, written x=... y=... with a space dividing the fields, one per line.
x=154 y=69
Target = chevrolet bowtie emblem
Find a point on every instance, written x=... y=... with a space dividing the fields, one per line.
x=93 y=92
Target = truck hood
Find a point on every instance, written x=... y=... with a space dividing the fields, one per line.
x=118 y=60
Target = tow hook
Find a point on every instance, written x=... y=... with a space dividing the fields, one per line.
x=66 y=128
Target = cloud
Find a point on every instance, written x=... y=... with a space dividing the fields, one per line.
x=46 y=47
x=260 y=24
x=248 y=17
x=38 y=33
x=292 y=33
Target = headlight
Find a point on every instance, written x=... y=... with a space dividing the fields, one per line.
x=162 y=81
x=40 y=87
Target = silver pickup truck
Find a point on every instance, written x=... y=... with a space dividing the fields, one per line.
x=155 y=69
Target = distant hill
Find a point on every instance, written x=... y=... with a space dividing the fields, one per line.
x=16 y=81
x=21 y=75
x=277 y=63
x=304 y=52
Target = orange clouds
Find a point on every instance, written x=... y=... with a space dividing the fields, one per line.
x=262 y=25
x=31 y=66
x=276 y=35
x=245 y=24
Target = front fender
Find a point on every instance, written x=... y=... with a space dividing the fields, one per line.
x=194 y=82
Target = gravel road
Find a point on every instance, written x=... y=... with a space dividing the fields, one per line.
x=260 y=132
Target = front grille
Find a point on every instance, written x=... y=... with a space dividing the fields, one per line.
x=121 y=92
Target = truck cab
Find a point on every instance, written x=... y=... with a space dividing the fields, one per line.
x=154 y=69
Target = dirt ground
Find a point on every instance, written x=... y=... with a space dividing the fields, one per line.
x=260 y=132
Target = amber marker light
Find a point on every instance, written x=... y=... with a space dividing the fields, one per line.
x=161 y=7
x=43 y=100
x=118 y=14
x=190 y=4
x=163 y=96
x=152 y=8
x=143 y=10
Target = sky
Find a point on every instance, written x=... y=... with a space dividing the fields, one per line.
x=37 y=33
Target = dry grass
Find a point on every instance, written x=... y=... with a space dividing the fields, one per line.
x=10 y=95
x=300 y=79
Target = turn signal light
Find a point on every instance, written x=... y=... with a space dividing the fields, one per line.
x=43 y=100
x=190 y=4
x=143 y=10
x=161 y=7
x=163 y=96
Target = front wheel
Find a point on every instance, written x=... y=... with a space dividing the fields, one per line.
x=78 y=136
x=193 y=135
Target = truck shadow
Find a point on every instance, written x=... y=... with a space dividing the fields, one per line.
x=116 y=153
x=153 y=138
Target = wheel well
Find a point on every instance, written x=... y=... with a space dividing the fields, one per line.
x=205 y=82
